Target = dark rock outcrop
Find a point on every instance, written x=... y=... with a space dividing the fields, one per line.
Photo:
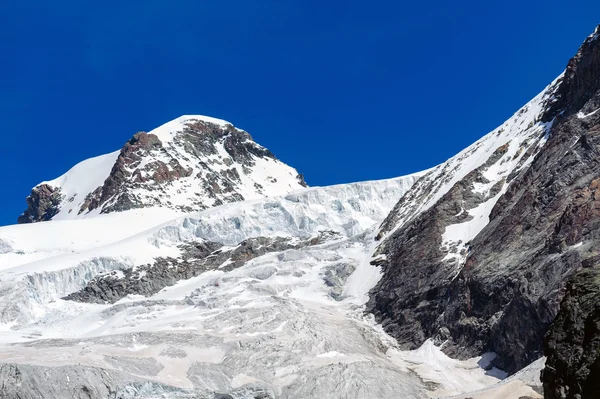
x=42 y=204
x=419 y=271
x=544 y=228
x=572 y=345
x=128 y=173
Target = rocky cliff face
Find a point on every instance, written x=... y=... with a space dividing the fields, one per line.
x=42 y=204
x=572 y=345
x=189 y=164
x=478 y=257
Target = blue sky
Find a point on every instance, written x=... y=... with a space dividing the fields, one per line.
x=341 y=90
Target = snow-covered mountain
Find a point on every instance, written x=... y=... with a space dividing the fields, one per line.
x=192 y=263
x=256 y=298
x=191 y=163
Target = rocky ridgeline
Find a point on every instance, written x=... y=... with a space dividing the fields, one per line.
x=192 y=166
x=542 y=229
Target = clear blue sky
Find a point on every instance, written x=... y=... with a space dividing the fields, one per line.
x=341 y=90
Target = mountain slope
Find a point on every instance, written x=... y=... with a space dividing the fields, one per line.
x=192 y=263
x=263 y=326
x=255 y=298
x=189 y=164
x=572 y=344
x=479 y=258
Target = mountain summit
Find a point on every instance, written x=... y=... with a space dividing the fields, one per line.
x=189 y=164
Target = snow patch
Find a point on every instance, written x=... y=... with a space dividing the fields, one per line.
x=581 y=115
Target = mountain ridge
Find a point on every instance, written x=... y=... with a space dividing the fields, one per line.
x=229 y=278
x=505 y=290
x=190 y=163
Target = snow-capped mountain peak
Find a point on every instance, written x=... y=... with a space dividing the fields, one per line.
x=191 y=163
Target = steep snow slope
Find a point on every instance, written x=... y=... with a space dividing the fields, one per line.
x=191 y=163
x=82 y=180
x=507 y=150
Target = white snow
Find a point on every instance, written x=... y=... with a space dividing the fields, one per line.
x=520 y=132
x=290 y=331
x=331 y=354
x=39 y=241
x=581 y=115
x=80 y=181
x=288 y=320
x=516 y=386
x=455 y=376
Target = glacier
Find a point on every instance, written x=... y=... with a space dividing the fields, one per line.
x=271 y=327
x=287 y=322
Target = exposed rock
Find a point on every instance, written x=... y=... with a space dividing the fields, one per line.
x=42 y=204
x=544 y=227
x=580 y=79
x=196 y=258
x=128 y=173
x=572 y=345
x=409 y=301
x=189 y=164
x=336 y=276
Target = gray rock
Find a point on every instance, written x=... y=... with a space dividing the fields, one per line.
x=507 y=293
x=42 y=204
x=572 y=345
x=196 y=258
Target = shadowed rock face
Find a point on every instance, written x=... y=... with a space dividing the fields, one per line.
x=141 y=146
x=42 y=204
x=544 y=228
x=572 y=345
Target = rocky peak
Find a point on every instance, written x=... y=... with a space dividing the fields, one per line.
x=580 y=79
x=189 y=164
